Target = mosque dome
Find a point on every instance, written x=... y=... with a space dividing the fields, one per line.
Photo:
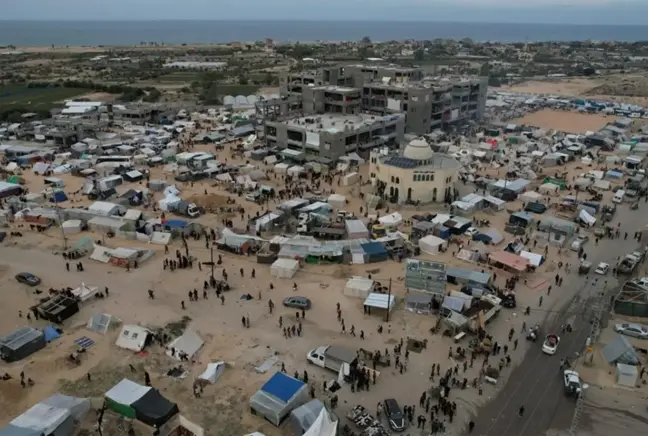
x=418 y=149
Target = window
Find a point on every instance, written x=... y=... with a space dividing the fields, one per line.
x=415 y=178
x=432 y=177
x=397 y=180
x=392 y=179
x=427 y=177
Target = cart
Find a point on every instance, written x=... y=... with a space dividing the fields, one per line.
x=584 y=267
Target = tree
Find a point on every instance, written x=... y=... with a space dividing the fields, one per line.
x=365 y=40
x=243 y=80
x=268 y=79
x=212 y=95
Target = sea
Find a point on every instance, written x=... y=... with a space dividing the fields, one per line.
x=94 y=33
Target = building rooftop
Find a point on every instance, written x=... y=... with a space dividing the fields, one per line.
x=334 y=123
x=335 y=88
x=416 y=158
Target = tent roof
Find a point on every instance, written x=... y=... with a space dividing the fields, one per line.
x=619 y=350
x=20 y=338
x=42 y=417
x=127 y=392
x=282 y=386
x=12 y=430
x=153 y=409
x=380 y=301
x=373 y=248
x=190 y=342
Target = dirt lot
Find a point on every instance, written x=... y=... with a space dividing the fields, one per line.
x=565 y=121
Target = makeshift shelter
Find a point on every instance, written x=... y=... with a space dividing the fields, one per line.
x=279 y=396
x=337 y=201
x=72 y=226
x=304 y=417
x=530 y=197
x=425 y=276
x=188 y=345
x=213 y=371
x=84 y=292
x=143 y=403
x=431 y=244
x=42 y=420
x=391 y=221
x=51 y=334
x=374 y=252
x=356 y=229
x=620 y=350
x=380 y=301
x=133 y=337
x=627 y=375
x=284 y=268
x=58 y=308
x=508 y=261
x=21 y=343
x=99 y=323
x=58 y=197
x=549 y=189
x=359 y=287
x=418 y=302
x=467 y=276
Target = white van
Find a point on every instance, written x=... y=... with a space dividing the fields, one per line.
x=618 y=196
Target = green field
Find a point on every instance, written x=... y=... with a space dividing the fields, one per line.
x=35 y=99
x=225 y=89
x=180 y=76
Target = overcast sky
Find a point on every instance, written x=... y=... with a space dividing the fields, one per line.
x=500 y=11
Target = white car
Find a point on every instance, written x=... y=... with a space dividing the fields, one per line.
x=471 y=231
x=579 y=242
x=550 y=344
x=602 y=268
x=572 y=383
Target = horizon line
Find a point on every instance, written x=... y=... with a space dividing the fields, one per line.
x=2 y=20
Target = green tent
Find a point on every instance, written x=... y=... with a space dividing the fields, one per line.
x=14 y=179
x=554 y=181
x=121 y=397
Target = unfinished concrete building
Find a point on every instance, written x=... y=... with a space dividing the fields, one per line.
x=326 y=138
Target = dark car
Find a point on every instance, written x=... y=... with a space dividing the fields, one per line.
x=394 y=415
x=28 y=279
x=297 y=302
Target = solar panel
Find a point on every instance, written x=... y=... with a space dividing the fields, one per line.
x=402 y=162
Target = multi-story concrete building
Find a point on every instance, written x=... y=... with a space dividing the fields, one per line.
x=417 y=175
x=326 y=138
x=429 y=103
x=331 y=99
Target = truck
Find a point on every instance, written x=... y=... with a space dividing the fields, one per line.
x=483 y=311
x=331 y=357
x=183 y=208
x=627 y=264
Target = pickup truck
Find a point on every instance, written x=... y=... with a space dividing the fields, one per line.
x=331 y=357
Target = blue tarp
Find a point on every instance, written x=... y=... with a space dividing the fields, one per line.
x=50 y=333
x=12 y=430
x=58 y=197
x=614 y=174
x=375 y=251
x=176 y=224
x=482 y=237
x=282 y=386
x=243 y=131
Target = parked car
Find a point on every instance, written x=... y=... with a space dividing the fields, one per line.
x=471 y=231
x=394 y=415
x=634 y=330
x=297 y=302
x=28 y=279
x=572 y=383
x=602 y=268
x=579 y=242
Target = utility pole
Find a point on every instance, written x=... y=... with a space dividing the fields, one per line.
x=58 y=214
x=599 y=307
x=389 y=300
x=211 y=250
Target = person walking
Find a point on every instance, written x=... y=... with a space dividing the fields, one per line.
x=521 y=411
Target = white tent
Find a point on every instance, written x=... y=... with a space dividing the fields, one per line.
x=530 y=197
x=323 y=425
x=296 y=170
x=213 y=371
x=71 y=226
x=189 y=343
x=549 y=189
x=133 y=337
x=359 y=287
x=392 y=220
x=380 y=301
x=586 y=218
x=431 y=244
x=284 y=268
x=281 y=168
x=337 y=201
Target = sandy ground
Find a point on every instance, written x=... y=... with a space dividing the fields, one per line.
x=220 y=325
x=564 y=121
x=100 y=96
x=574 y=87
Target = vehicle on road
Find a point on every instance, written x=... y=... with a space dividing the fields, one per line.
x=628 y=264
x=471 y=231
x=532 y=333
x=634 y=330
x=394 y=415
x=28 y=279
x=297 y=302
x=331 y=357
x=602 y=268
x=579 y=242
x=550 y=344
x=572 y=383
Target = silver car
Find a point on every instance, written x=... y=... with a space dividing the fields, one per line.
x=634 y=330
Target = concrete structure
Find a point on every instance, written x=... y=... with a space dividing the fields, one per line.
x=326 y=138
x=418 y=175
x=429 y=102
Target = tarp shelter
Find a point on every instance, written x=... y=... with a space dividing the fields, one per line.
x=419 y=303
x=620 y=350
x=143 y=403
x=84 y=292
x=391 y=221
x=51 y=334
x=549 y=189
x=356 y=229
x=533 y=258
x=627 y=375
x=99 y=323
x=21 y=343
x=380 y=301
x=58 y=196
x=133 y=337
x=279 y=396
x=430 y=244
x=338 y=201
x=303 y=418
x=586 y=218
x=359 y=287
x=467 y=276
x=43 y=420
x=508 y=260
x=213 y=371
x=421 y=275
x=495 y=236
x=189 y=344
x=374 y=252
x=530 y=197
x=284 y=268
x=72 y=226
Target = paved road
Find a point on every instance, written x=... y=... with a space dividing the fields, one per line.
x=537 y=383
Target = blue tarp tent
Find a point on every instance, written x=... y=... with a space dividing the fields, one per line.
x=278 y=397
x=58 y=196
x=50 y=333
x=374 y=252
x=12 y=430
x=176 y=224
